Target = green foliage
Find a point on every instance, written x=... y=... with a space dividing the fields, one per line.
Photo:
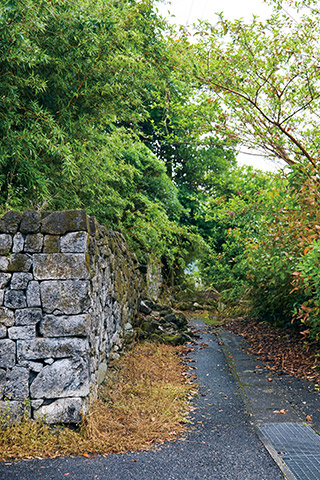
x=81 y=82
x=233 y=217
x=266 y=74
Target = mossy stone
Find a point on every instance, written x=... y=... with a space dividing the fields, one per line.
x=10 y=221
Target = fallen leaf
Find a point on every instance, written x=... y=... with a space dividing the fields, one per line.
x=269 y=379
x=282 y=411
x=309 y=418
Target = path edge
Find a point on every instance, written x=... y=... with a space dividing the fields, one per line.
x=266 y=443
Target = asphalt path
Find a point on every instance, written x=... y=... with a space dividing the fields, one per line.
x=221 y=443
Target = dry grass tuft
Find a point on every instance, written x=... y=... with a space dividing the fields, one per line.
x=144 y=401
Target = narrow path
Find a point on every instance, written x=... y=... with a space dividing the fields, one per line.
x=282 y=407
x=221 y=445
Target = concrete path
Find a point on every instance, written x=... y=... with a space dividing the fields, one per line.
x=222 y=444
x=281 y=407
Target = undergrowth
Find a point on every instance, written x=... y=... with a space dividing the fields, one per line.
x=144 y=401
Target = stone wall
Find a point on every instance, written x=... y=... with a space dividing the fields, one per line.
x=69 y=290
x=154 y=280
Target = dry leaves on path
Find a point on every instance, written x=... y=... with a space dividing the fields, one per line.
x=279 y=349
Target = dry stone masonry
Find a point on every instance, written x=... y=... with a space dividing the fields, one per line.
x=69 y=291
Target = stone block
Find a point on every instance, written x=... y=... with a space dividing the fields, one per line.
x=60 y=266
x=18 y=262
x=102 y=373
x=64 y=410
x=65 y=325
x=32 y=366
x=5 y=243
x=30 y=222
x=3 y=331
x=15 y=299
x=64 y=378
x=17 y=387
x=18 y=243
x=6 y=317
x=65 y=297
x=59 y=223
x=7 y=353
x=22 y=333
x=41 y=348
x=33 y=294
x=4 y=279
x=74 y=242
x=10 y=221
x=3 y=381
x=12 y=411
x=93 y=226
x=33 y=243
x=27 y=316
x=4 y=264
x=51 y=244
x=20 y=280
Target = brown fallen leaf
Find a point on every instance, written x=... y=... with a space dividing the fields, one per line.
x=269 y=379
x=282 y=411
x=309 y=418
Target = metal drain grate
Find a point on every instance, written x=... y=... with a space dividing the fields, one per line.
x=298 y=446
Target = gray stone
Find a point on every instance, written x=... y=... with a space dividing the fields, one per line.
x=28 y=316
x=144 y=308
x=74 y=242
x=64 y=297
x=64 y=378
x=12 y=412
x=62 y=222
x=41 y=348
x=49 y=361
x=36 y=404
x=18 y=243
x=17 y=387
x=102 y=372
x=33 y=294
x=51 y=244
x=60 y=266
x=4 y=279
x=7 y=353
x=3 y=331
x=22 y=333
x=65 y=326
x=10 y=221
x=33 y=243
x=1 y=297
x=3 y=381
x=15 y=299
x=18 y=262
x=64 y=410
x=30 y=222
x=93 y=226
x=6 y=317
x=33 y=366
x=5 y=243
x=20 y=280
x=4 y=264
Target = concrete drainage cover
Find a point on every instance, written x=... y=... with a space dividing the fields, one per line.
x=297 y=445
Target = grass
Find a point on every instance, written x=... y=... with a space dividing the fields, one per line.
x=209 y=318
x=145 y=401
